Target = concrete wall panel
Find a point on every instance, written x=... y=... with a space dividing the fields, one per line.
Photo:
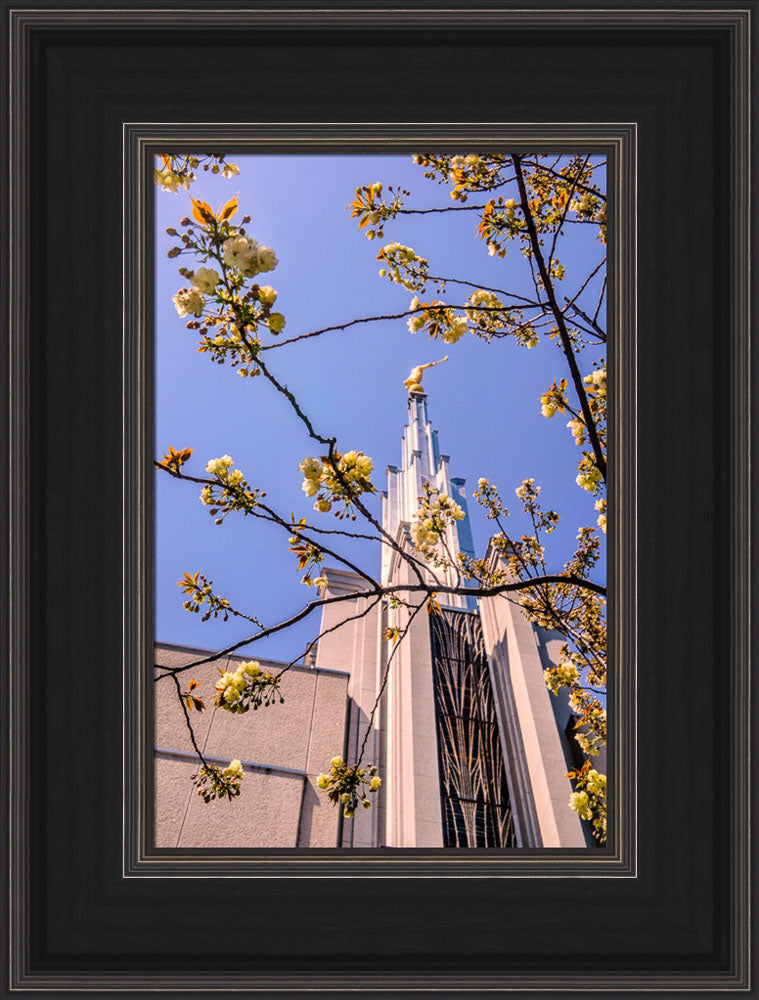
x=303 y=733
x=173 y=791
x=277 y=734
x=170 y=726
x=319 y=818
x=265 y=815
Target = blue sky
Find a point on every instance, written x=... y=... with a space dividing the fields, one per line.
x=485 y=402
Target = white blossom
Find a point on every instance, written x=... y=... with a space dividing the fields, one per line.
x=240 y=252
x=217 y=465
x=276 y=322
x=205 y=279
x=266 y=259
x=455 y=331
x=580 y=803
x=267 y=295
x=188 y=302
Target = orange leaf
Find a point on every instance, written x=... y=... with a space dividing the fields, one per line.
x=433 y=608
x=229 y=209
x=202 y=211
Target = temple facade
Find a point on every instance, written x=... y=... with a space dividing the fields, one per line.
x=472 y=748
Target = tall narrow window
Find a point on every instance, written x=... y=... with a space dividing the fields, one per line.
x=474 y=793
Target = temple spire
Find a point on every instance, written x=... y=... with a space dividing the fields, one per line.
x=422 y=462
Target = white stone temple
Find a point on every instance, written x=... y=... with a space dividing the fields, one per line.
x=472 y=748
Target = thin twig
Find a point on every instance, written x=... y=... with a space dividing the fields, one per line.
x=331 y=442
x=327 y=631
x=188 y=722
x=549 y=170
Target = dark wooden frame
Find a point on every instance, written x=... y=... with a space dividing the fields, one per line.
x=617 y=143
x=91 y=910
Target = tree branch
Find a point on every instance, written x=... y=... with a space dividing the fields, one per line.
x=493 y=591
x=566 y=342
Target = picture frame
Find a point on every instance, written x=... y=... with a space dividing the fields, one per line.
x=618 y=144
x=89 y=93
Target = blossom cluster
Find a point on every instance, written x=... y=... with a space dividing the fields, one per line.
x=600 y=505
x=549 y=405
x=349 y=785
x=372 y=211
x=249 y=258
x=527 y=489
x=480 y=300
x=585 y=204
x=589 y=798
x=231 y=491
x=220 y=300
x=529 y=493
x=465 y=172
x=178 y=171
x=556 y=269
x=554 y=399
x=436 y=511
x=577 y=427
x=214 y=782
x=590 y=727
x=189 y=302
x=576 y=612
x=596 y=381
x=200 y=591
x=249 y=686
x=473 y=172
x=500 y=222
x=589 y=476
x=439 y=320
x=219 y=466
x=341 y=478
x=172 y=180
x=570 y=189
x=404 y=266
x=596 y=783
x=580 y=803
x=565 y=674
x=487 y=496
x=248 y=255
x=309 y=555
x=589 y=207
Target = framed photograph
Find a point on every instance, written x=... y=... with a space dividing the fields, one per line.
x=402 y=585
x=479 y=718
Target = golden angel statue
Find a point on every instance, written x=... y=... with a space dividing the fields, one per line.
x=414 y=382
